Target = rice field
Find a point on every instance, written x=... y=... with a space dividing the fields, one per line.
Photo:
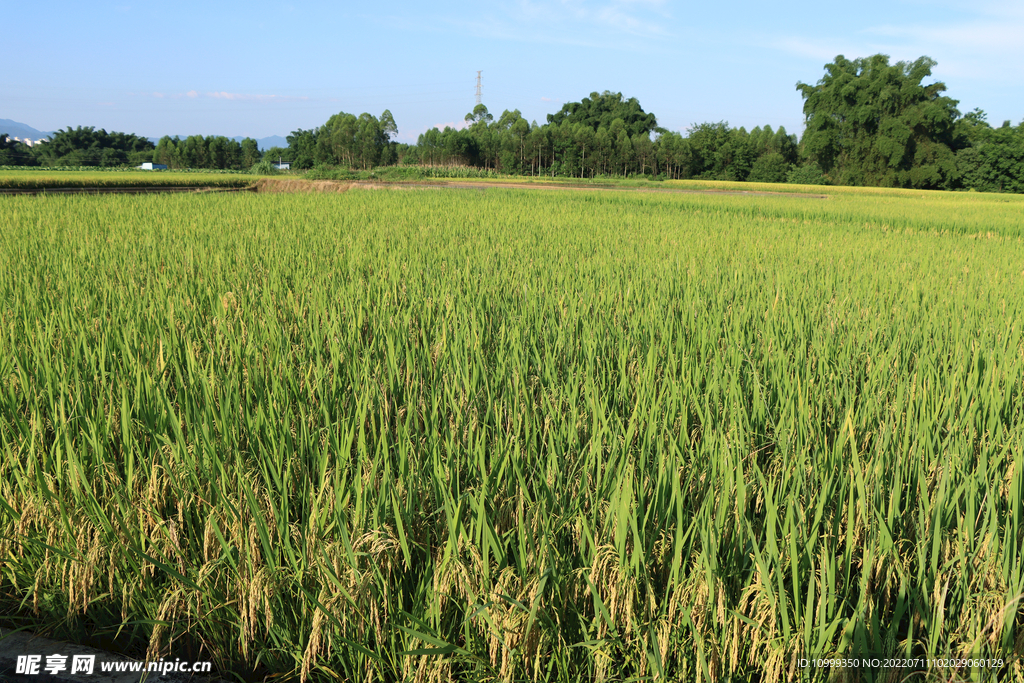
x=52 y=179
x=431 y=435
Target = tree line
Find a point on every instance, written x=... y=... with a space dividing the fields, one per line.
x=866 y=122
x=215 y=152
x=82 y=146
x=86 y=146
x=575 y=148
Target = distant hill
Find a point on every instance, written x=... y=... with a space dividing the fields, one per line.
x=22 y=131
x=267 y=143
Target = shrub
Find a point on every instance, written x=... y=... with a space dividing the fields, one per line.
x=264 y=167
x=770 y=168
x=809 y=174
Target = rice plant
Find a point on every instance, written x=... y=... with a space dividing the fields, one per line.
x=56 y=178
x=508 y=435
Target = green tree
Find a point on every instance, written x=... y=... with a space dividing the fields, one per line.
x=584 y=138
x=368 y=140
x=643 y=147
x=488 y=143
x=166 y=152
x=994 y=162
x=336 y=140
x=14 y=152
x=622 y=147
x=430 y=146
x=216 y=152
x=706 y=142
x=604 y=149
x=483 y=134
x=86 y=146
x=389 y=148
x=675 y=155
x=407 y=154
x=302 y=149
x=600 y=109
x=512 y=130
x=520 y=129
x=459 y=146
x=807 y=174
x=276 y=154
x=772 y=167
x=363 y=141
x=193 y=152
x=250 y=150
x=537 y=144
x=388 y=127
x=872 y=123
x=564 y=155
x=479 y=115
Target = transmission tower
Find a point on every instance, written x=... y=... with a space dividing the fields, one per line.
x=479 y=95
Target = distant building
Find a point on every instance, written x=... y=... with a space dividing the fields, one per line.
x=29 y=142
x=283 y=166
x=149 y=166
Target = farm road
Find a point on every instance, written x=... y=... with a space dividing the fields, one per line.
x=560 y=186
x=300 y=185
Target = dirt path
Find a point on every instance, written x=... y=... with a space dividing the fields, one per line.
x=468 y=184
x=118 y=190
x=299 y=185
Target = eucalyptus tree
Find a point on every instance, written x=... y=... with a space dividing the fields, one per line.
x=250 y=150
x=585 y=140
x=302 y=148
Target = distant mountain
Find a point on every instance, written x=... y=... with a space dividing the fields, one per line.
x=267 y=143
x=22 y=131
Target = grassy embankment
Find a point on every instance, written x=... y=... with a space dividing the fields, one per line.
x=515 y=435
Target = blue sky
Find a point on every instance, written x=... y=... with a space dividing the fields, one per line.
x=267 y=68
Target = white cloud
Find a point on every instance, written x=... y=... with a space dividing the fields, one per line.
x=816 y=49
x=988 y=48
x=616 y=15
x=970 y=40
x=243 y=97
x=980 y=37
x=231 y=96
x=571 y=22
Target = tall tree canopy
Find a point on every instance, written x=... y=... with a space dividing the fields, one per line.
x=86 y=146
x=868 y=122
x=14 y=152
x=872 y=123
x=215 y=151
x=363 y=141
x=599 y=110
x=994 y=159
